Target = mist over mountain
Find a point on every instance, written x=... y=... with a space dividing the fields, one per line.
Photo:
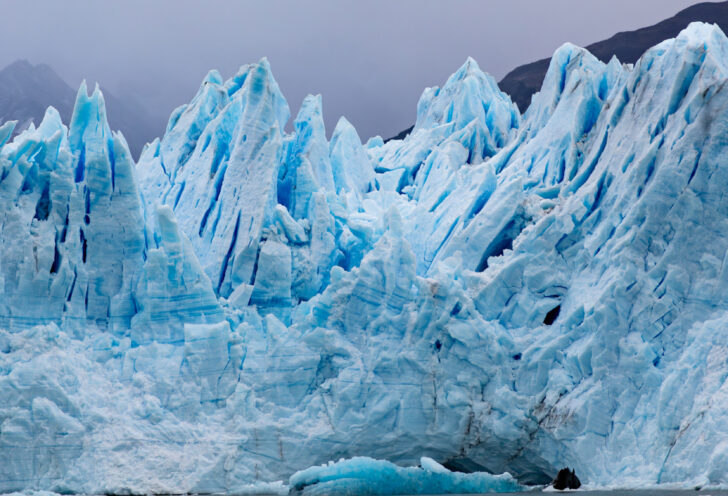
x=26 y=90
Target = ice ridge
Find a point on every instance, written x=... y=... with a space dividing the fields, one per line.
x=497 y=292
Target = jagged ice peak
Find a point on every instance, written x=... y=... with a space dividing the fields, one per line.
x=495 y=292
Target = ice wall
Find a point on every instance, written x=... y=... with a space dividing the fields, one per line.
x=73 y=236
x=497 y=292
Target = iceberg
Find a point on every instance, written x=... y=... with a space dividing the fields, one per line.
x=365 y=476
x=497 y=292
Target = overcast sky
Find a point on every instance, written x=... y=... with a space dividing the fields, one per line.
x=369 y=59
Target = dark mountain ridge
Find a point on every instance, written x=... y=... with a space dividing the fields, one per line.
x=26 y=90
x=522 y=82
x=628 y=46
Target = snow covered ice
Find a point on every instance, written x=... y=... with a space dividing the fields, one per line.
x=499 y=292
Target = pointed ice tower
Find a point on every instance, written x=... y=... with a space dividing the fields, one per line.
x=561 y=125
x=460 y=129
x=469 y=109
x=74 y=190
x=221 y=155
x=307 y=167
x=87 y=230
x=483 y=118
x=353 y=171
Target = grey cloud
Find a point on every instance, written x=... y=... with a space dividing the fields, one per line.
x=369 y=59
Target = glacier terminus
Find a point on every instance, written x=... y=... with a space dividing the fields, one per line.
x=497 y=292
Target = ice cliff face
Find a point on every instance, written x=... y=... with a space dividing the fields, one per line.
x=76 y=249
x=497 y=292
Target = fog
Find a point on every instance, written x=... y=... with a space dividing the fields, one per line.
x=369 y=60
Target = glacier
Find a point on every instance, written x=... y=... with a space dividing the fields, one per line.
x=365 y=476
x=498 y=292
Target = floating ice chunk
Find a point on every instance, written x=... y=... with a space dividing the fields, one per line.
x=277 y=488
x=366 y=476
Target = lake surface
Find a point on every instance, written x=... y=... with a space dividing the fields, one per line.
x=621 y=492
